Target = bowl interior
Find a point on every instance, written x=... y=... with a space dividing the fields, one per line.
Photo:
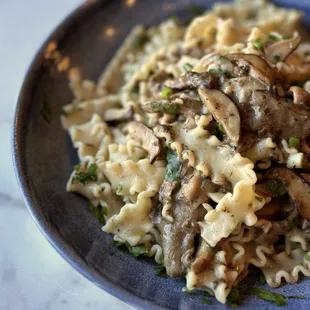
x=44 y=158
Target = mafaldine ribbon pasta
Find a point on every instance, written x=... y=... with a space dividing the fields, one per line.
x=194 y=145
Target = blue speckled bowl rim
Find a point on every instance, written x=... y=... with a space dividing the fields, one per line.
x=52 y=235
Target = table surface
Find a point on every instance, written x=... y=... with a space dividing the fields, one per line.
x=32 y=275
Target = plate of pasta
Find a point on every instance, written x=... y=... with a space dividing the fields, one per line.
x=166 y=156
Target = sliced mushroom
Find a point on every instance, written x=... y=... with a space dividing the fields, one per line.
x=280 y=50
x=306 y=176
x=223 y=110
x=178 y=236
x=116 y=115
x=204 y=256
x=298 y=190
x=146 y=137
x=258 y=67
x=304 y=147
x=267 y=114
x=270 y=211
x=300 y=96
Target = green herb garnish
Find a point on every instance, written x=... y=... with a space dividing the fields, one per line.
x=173 y=168
x=166 y=92
x=46 y=112
x=234 y=299
x=139 y=41
x=290 y=225
x=187 y=67
x=135 y=251
x=84 y=177
x=64 y=112
x=77 y=167
x=100 y=212
x=258 y=44
x=274 y=37
x=260 y=199
x=296 y=297
x=276 y=58
x=307 y=257
x=136 y=89
x=278 y=299
x=169 y=107
x=294 y=142
x=221 y=128
x=161 y=271
x=206 y=301
x=186 y=290
x=262 y=279
x=119 y=189
x=275 y=187
x=217 y=70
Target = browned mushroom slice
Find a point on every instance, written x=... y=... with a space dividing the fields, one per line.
x=297 y=189
x=114 y=115
x=300 y=96
x=304 y=147
x=278 y=116
x=280 y=50
x=146 y=137
x=178 y=237
x=223 y=110
x=258 y=67
x=270 y=211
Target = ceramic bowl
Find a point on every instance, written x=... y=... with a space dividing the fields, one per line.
x=44 y=158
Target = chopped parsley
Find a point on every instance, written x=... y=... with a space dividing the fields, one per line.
x=187 y=67
x=307 y=257
x=77 y=167
x=64 y=112
x=291 y=225
x=275 y=187
x=278 y=299
x=119 y=189
x=294 y=142
x=139 y=41
x=173 y=168
x=135 y=251
x=169 y=108
x=136 y=89
x=186 y=290
x=276 y=58
x=161 y=271
x=166 y=92
x=46 y=112
x=221 y=129
x=262 y=279
x=206 y=301
x=258 y=44
x=100 y=212
x=85 y=176
x=260 y=199
x=275 y=37
x=296 y=297
x=234 y=299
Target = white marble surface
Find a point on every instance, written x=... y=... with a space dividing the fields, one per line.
x=32 y=275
